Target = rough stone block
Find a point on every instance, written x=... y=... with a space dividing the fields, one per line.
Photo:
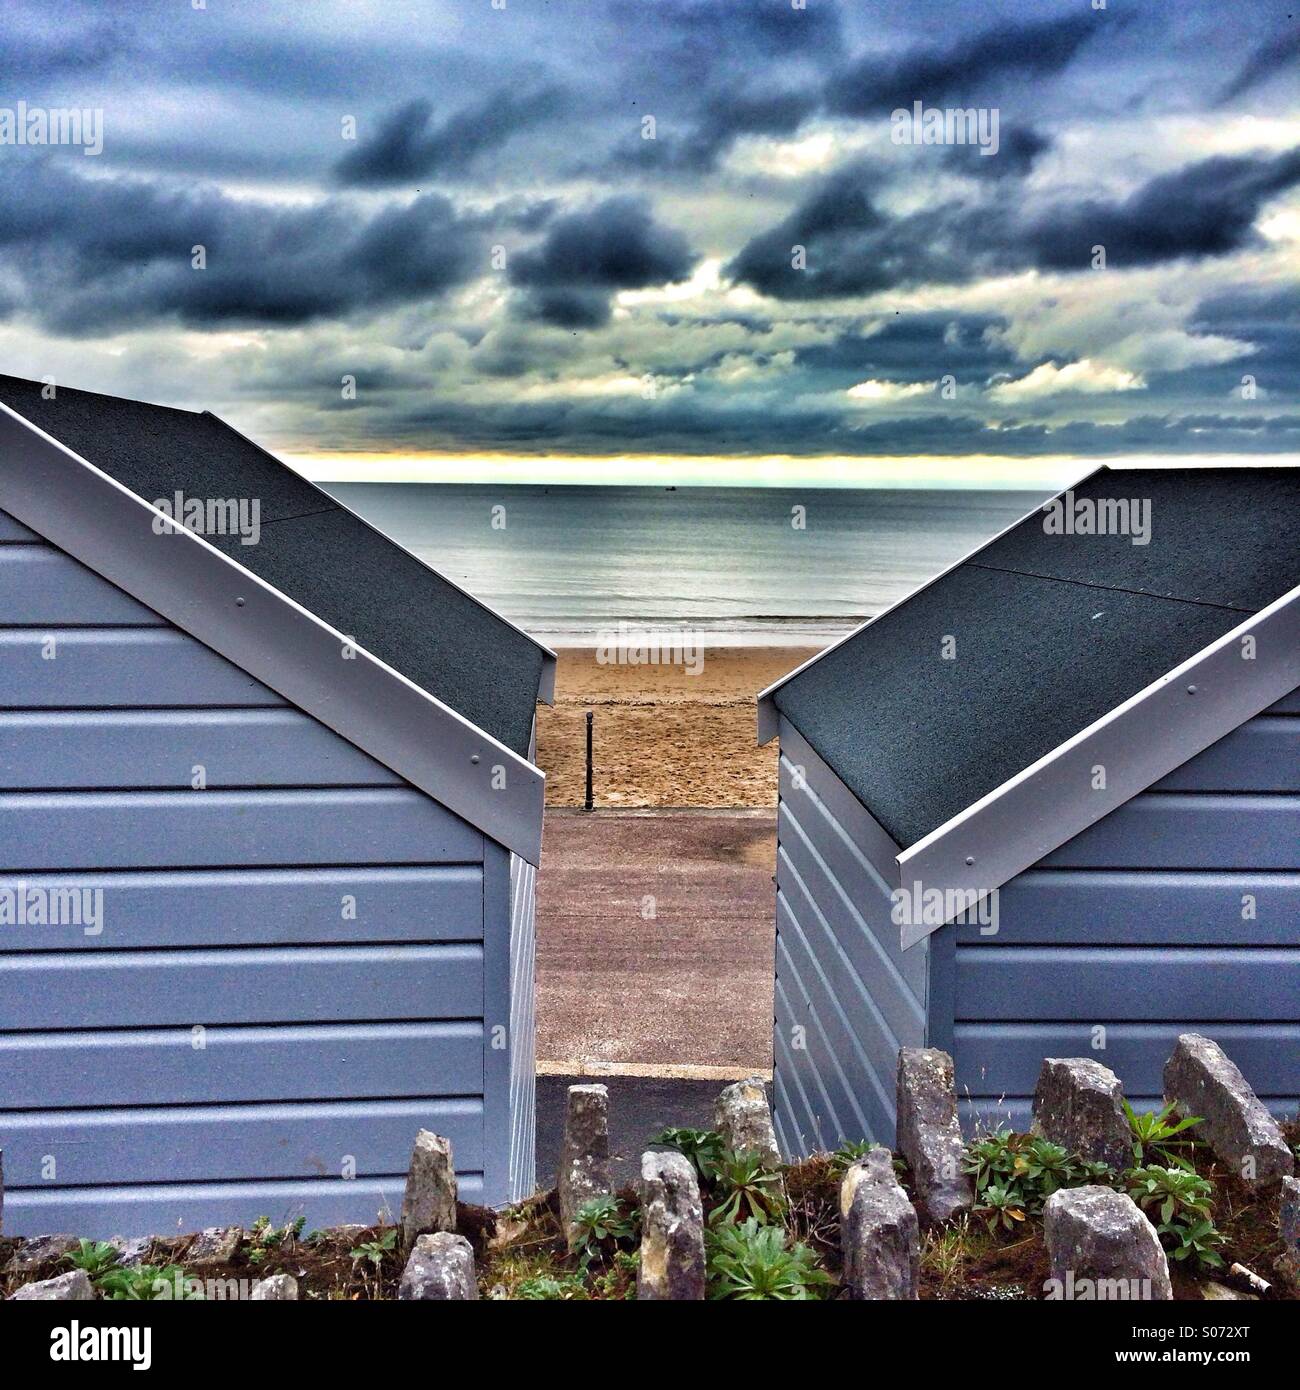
x=929 y=1133
x=1289 y=1228
x=1079 y=1105
x=441 y=1268
x=67 y=1288
x=40 y=1250
x=584 y=1159
x=1201 y=1079
x=672 y=1230
x=744 y=1119
x=429 y=1202
x=215 y=1246
x=279 y=1288
x=880 y=1235
x=134 y=1251
x=1102 y=1248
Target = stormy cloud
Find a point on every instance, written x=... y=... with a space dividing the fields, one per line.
x=1208 y=208
x=93 y=255
x=977 y=65
x=411 y=144
x=599 y=226
x=587 y=255
x=839 y=242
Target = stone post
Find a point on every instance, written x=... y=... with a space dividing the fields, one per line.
x=429 y=1202
x=672 y=1230
x=584 y=1160
x=879 y=1234
x=744 y=1119
x=928 y=1132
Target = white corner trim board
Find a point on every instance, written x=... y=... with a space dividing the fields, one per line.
x=1140 y=741
x=82 y=510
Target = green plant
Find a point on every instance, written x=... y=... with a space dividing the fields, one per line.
x=599 y=1220
x=1000 y=1206
x=1096 y=1170
x=144 y=1283
x=619 y=1281
x=122 y=1283
x=848 y=1153
x=1196 y=1240
x=1174 y=1191
x=263 y=1237
x=702 y=1147
x=1016 y=1173
x=94 y=1256
x=746 y=1189
x=565 y=1287
x=1181 y=1201
x=375 y=1250
x=991 y=1158
x=1043 y=1168
x=1155 y=1131
x=751 y=1262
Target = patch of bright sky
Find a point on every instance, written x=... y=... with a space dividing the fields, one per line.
x=967 y=471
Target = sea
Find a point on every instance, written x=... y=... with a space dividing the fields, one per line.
x=732 y=566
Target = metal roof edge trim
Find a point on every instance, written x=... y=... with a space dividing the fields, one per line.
x=106 y=526
x=1140 y=741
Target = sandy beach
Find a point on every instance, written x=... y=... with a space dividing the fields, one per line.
x=661 y=736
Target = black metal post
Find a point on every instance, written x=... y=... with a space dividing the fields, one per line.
x=590 y=805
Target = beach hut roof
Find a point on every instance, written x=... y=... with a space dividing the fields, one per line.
x=968 y=718
x=453 y=681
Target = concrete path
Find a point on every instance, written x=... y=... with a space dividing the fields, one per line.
x=654 y=944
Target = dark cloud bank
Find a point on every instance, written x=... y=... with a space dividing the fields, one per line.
x=522 y=134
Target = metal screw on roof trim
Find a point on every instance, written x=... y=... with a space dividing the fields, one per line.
x=239 y=603
x=1191 y=690
x=970 y=859
x=474 y=759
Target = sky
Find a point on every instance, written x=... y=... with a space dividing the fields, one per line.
x=687 y=240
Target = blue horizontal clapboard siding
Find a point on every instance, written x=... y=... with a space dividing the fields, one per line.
x=1179 y=911
x=1174 y=907
x=258 y=907
x=166 y=1066
x=133 y=829
x=61 y=749
x=296 y=963
x=174 y=1143
x=993 y=1059
x=173 y=1207
x=116 y=668
x=260 y=984
x=13 y=531
x=1190 y=830
x=41 y=586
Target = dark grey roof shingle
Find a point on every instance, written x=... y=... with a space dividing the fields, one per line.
x=1051 y=633
x=312 y=549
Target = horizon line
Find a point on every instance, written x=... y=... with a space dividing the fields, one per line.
x=982 y=472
